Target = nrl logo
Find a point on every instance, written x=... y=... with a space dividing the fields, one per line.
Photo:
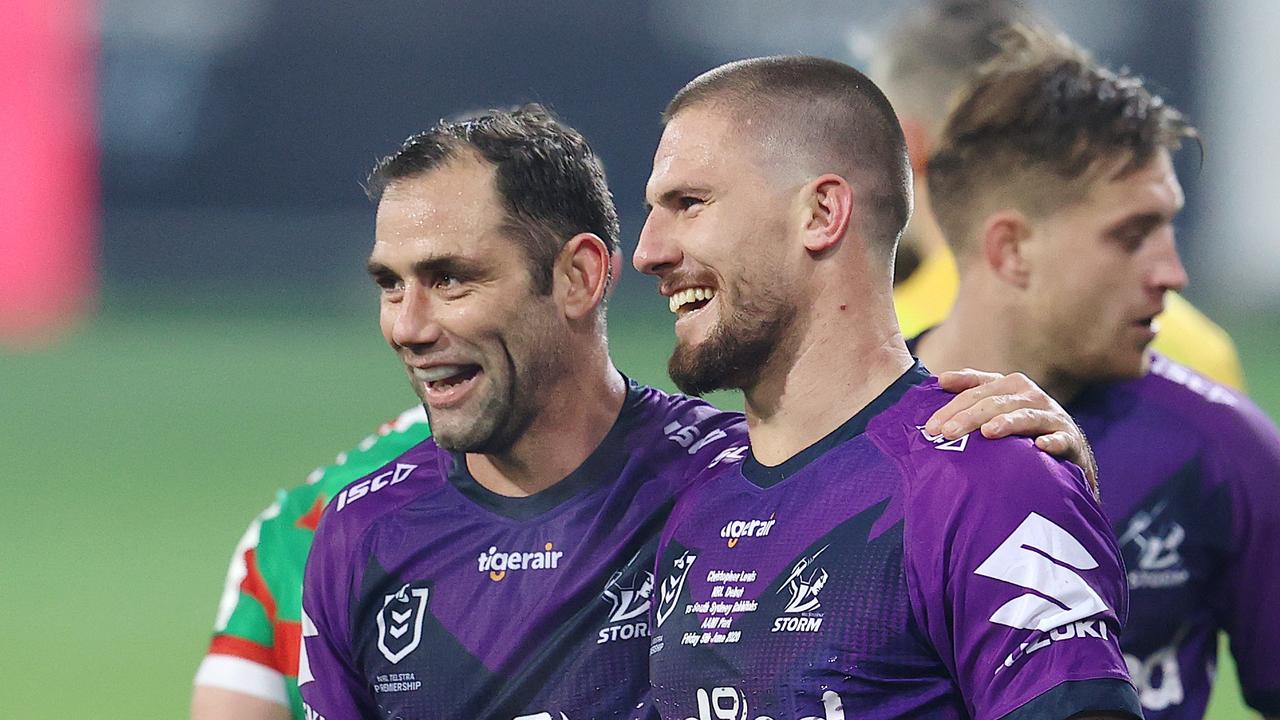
x=400 y=612
x=669 y=593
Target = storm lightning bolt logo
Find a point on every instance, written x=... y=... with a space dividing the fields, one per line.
x=804 y=589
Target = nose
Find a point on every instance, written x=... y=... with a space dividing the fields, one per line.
x=413 y=323
x=656 y=253
x=1168 y=272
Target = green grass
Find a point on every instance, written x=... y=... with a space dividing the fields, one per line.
x=136 y=451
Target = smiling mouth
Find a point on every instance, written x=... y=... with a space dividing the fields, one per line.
x=445 y=383
x=690 y=299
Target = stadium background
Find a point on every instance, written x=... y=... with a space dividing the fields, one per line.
x=228 y=343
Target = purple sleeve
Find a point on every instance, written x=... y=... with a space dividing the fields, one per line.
x=1249 y=463
x=1017 y=582
x=331 y=687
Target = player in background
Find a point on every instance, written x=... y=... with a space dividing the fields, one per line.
x=1053 y=184
x=502 y=568
x=852 y=565
x=921 y=63
x=251 y=668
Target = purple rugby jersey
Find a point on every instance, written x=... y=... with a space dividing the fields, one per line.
x=884 y=573
x=427 y=596
x=1191 y=481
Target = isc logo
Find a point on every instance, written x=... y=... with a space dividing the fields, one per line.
x=374 y=484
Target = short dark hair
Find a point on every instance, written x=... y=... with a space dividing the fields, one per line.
x=550 y=181
x=1036 y=127
x=833 y=116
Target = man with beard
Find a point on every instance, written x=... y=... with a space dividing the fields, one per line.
x=1054 y=184
x=854 y=565
x=465 y=574
x=503 y=568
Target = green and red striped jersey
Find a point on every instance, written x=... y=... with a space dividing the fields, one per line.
x=256 y=635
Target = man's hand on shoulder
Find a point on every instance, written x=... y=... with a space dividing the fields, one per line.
x=1003 y=405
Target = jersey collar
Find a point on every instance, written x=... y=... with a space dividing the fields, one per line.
x=766 y=476
x=601 y=467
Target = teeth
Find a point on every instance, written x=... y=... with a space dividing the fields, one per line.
x=438 y=372
x=690 y=295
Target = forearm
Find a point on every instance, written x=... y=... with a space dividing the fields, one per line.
x=215 y=703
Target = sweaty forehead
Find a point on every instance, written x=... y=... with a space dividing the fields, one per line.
x=453 y=200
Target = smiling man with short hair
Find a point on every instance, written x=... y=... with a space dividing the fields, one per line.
x=854 y=565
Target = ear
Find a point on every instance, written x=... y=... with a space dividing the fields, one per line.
x=582 y=269
x=1004 y=246
x=827 y=213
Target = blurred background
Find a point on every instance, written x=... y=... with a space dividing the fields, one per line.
x=185 y=324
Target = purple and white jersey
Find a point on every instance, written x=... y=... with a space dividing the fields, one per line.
x=1190 y=475
x=886 y=573
x=427 y=596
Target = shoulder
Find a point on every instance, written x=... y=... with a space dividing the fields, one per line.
x=965 y=499
x=968 y=460
x=389 y=440
x=281 y=534
x=1190 y=337
x=302 y=505
x=381 y=492
x=689 y=410
x=1224 y=420
x=692 y=427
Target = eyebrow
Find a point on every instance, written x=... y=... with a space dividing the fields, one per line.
x=427 y=266
x=671 y=195
x=1141 y=221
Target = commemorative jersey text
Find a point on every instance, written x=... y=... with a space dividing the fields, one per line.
x=881 y=575
x=433 y=598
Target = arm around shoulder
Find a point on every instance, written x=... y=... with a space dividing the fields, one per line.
x=1032 y=593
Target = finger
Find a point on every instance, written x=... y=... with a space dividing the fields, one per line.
x=984 y=410
x=1059 y=444
x=1066 y=446
x=963 y=401
x=1025 y=422
x=959 y=380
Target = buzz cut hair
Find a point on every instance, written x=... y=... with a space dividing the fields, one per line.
x=817 y=115
x=1037 y=127
x=550 y=182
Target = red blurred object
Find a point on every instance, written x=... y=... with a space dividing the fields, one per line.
x=48 y=167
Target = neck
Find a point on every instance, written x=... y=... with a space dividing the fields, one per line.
x=989 y=330
x=849 y=349
x=575 y=413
